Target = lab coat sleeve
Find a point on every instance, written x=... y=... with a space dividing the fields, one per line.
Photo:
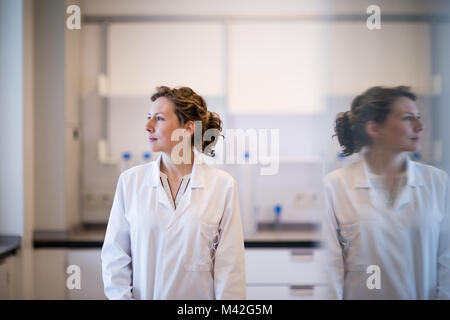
x=229 y=263
x=443 y=290
x=332 y=262
x=116 y=252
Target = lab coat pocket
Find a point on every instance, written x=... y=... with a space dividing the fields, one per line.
x=205 y=243
x=348 y=234
x=356 y=241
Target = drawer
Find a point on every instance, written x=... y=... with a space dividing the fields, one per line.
x=4 y=284
x=276 y=292
x=283 y=266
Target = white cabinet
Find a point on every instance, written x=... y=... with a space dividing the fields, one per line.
x=270 y=273
x=397 y=54
x=293 y=67
x=3 y=281
x=142 y=56
x=283 y=274
x=52 y=272
x=276 y=67
x=49 y=274
x=7 y=278
x=88 y=262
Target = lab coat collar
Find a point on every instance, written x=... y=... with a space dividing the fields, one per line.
x=155 y=176
x=197 y=176
x=414 y=179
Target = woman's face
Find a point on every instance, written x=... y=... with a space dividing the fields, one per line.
x=401 y=131
x=162 y=121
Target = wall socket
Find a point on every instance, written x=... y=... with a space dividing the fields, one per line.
x=97 y=201
x=305 y=200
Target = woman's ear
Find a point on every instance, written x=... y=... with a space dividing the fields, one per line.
x=189 y=127
x=372 y=129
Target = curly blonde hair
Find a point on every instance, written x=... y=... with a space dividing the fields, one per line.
x=189 y=106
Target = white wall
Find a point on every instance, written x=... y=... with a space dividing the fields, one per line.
x=11 y=118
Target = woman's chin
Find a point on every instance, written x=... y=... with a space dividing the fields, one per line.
x=154 y=149
x=415 y=148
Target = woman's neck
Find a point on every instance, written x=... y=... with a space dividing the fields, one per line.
x=171 y=169
x=383 y=162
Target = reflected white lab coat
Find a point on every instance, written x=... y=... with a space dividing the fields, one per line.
x=409 y=242
x=196 y=251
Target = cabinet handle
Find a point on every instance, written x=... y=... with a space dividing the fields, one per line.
x=301 y=291
x=302 y=255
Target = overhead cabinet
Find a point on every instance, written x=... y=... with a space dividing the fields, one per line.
x=141 y=56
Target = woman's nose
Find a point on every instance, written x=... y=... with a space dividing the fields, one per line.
x=419 y=125
x=149 y=126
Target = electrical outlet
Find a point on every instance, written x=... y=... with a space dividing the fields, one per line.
x=89 y=201
x=97 y=200
x=107 y=200
x=305 y=200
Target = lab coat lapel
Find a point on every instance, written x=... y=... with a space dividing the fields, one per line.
x=414 y=180
x=195 y=185
x=361 y=181
x=155 y=184
x=162 y=198
x=403 y=198
x=362 y=184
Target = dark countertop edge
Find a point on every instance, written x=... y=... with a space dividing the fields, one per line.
x=247 y=244
x=281 y=244
x=9 y=245
x=66 y=244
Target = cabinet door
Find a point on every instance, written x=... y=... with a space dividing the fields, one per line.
x=142 y=56
x=283 y=267
x=277 y=67
x=396 y=54
x=88 y=262
x=4 y=283
x=49 y=274
x=8 y=278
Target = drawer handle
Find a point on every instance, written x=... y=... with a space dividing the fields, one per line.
x=302 y=255
x=301 y=291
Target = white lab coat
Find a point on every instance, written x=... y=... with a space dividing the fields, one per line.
x=196 y=251
x=409 y=242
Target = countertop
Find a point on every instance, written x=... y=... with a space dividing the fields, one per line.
x=8 y=245
x=86 y=237
x=92 y=237
x=283 y=239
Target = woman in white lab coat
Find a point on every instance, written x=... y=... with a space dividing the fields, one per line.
x=387 y=224
x=174 y=231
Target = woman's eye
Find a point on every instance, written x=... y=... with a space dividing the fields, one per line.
x=159 y=118
x=407 y=118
